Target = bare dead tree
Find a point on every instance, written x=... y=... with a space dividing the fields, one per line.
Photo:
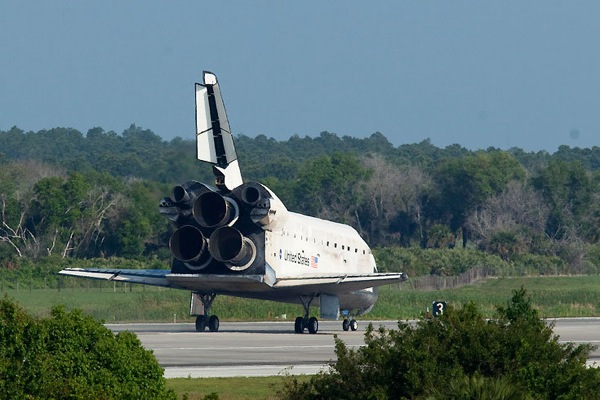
x=101 y=204
x=390 y=191
x=381 y=195
x=68 y=246
x=16 y=235
x=14 y=231
x=516 y=207
x=416 y=186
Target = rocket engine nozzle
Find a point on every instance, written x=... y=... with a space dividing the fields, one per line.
x=180 y=194
x=251 y=195
x=185 y=194
x=256 y=199
x=213 y=210
x=228 y=245
x=189 y=245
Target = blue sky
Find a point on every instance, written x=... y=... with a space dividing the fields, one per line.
x=480 y=74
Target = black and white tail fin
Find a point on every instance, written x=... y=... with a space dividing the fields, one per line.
x=214 y=142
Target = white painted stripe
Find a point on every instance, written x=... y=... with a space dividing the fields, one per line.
x=247 y=347
x=242 y=370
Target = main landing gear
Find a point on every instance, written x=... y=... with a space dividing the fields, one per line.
x=312 y=324
x=302 y=323
x=204 y=321
x=349 y=324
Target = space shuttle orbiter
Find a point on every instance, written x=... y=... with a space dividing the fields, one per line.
x=237 y=238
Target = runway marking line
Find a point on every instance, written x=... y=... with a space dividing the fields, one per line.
x=243 y=347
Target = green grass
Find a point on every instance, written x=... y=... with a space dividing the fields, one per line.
x=143 y=304
x=149 y=305
x=576 y=296
x=229 y=388
x=553 y=296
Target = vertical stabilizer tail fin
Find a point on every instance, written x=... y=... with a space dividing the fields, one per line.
x=214 y=141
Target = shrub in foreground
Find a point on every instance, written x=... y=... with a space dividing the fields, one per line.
x=460 y=355
x=72 y=356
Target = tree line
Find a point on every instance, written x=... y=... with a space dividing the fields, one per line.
x=96 y=195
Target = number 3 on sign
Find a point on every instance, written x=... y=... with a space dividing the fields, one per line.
x=438 y=308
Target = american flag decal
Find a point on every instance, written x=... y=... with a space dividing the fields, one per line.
x=314 y=261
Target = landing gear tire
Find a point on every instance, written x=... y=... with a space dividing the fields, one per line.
x=353 y=325
x=312 y=323
x=201 y=323
x=346 y=324
x=213 y=323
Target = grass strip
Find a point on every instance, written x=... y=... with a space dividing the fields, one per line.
x=562 y=296
x=229 y=388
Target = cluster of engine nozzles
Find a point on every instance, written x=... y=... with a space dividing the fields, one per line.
x=215 y=214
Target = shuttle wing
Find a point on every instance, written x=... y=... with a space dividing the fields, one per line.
x=154 y=277
x=339 y=283
x=229 y=283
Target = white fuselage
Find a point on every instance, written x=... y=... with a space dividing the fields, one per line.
x=302 y=245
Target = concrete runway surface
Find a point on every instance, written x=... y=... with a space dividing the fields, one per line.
x=272 y=348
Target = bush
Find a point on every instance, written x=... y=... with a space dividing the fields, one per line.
x=458 y=355
x=536 y=264
x=416 y=261
x=72 y=356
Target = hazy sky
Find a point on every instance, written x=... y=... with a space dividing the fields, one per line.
x=504 y=74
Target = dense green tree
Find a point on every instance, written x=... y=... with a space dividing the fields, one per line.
x=12 y=144
x=135 y=227
x=180 y=164
x=50 y=203
x=423 y=154
x=464 y=183
x=590 y=224
x=72 y=356
x=67 y=213
x=329 y=187
x=589 y=158
x=567 y=190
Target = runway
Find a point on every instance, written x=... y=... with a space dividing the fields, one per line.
x=272 y=348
